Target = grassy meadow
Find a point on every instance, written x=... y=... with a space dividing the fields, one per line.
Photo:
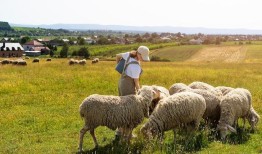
x=39 y=105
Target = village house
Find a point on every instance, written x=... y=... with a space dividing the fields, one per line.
x=195 y=41
x=8 y=49
x=36 y=46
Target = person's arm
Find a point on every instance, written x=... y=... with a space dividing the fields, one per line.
x=137 y=85
x=118 y=57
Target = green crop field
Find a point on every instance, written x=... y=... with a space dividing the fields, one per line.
x=39 y=104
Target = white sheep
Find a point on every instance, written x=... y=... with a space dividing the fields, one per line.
x=115 y=112
x=205 y=86
x=175 y=88
x=234 y=105
x=253 y=118
x=212 y=113
x=82 y=62
x=95 y=60
x=36 y=60
x=224 y=89
x=185 y=108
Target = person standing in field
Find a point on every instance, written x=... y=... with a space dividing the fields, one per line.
x=129 y=81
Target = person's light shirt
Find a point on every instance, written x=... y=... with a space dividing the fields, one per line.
x=133 y=70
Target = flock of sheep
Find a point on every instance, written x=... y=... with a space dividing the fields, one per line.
x=182 y=106
x=82 y=62
x=21 y=61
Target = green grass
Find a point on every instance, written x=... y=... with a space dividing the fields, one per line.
x=110 y=51
x=177 y=53
x=39 y=105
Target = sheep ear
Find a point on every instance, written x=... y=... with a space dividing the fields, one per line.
x=231 y=129
x=156 y=93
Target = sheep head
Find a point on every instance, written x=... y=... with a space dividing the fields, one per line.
x=225 y=129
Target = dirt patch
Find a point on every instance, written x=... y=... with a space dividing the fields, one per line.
x=227 y=54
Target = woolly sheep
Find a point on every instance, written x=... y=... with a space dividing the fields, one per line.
x=234 y=105
x=115 y=112
x=36 y=60
x=21 y=62
x=175 y=88
x=82 y=62
x=224 y=89
x=174 y=111
x=253 y=118
x=95 y=60
x=71 y=62
x=212 y=112
x=205 y=86
x=6 y=61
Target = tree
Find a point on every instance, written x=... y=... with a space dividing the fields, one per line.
x=51 y=53
x=83 y=52
x=102 y=41
x=146 y=35
x=154 y=35
x=64 y=51
x=25 y=39
x=81 y=41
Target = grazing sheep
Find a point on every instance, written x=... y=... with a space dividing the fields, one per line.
x=234 y=105
x=253 y=118
x=95 y=60
x=21 y=62
x=71 y=62
x=15 y=62
x=36 y=60
x=48 y=59
x=174 y=111
x=6 y=61
x=115 y=112
x=82 y=62
x=175 y=88
x=205 y=86
x=212 y=112
x=163 y=94
x=224 y=89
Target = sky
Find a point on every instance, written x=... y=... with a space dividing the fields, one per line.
x=228 y=14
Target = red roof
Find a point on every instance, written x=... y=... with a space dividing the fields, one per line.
x=34 y=43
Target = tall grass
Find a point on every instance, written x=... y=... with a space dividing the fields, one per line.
x=39 y=106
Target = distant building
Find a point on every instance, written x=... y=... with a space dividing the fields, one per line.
x=36 y=46
x=65 y=40
x=33 y=53
x=165 y=39
x=195 y=41
x=44 y=41
x=11 y=49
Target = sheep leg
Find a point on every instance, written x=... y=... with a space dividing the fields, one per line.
x=92 y=132
x=129 y=134
x=174 y=131
x=81 y=136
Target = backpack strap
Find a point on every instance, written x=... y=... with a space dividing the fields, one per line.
x=127 y=63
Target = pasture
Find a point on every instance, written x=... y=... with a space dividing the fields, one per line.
x=39 y=104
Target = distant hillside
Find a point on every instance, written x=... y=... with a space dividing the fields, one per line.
x=5 y=26
x=187 y=30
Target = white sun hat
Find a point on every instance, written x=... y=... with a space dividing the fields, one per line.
x=144 y=51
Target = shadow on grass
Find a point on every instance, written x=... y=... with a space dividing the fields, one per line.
x=241 y=137
x=185 y=143
x=117 y=148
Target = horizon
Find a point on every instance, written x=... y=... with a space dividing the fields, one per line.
x=216 y=14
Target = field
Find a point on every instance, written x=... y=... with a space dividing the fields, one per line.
x=39 y=103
